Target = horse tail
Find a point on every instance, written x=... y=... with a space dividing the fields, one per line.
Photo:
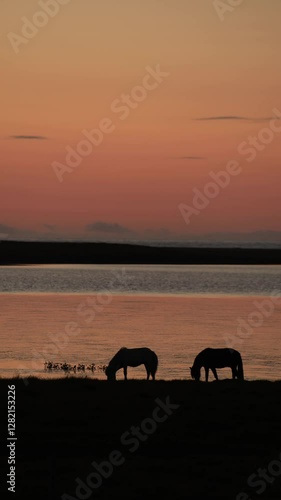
x=240 y=368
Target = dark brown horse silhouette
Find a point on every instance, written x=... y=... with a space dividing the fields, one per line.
x=211 y=359
x=132 y=357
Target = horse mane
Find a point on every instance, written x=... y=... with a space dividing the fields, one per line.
x=116 y=355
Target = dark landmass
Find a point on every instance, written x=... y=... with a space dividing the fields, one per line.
x=18 y=252
x=220 y=434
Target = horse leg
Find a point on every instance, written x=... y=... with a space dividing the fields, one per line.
x=234 y=372
x=125 y=372
x=206 y=373
x=215 y=373
x=152 y=372
x=147 y=372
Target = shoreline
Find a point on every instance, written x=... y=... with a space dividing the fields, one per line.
x=77 y=379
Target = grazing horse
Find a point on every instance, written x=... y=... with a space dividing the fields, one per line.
x=132 y=357
x=217 y=358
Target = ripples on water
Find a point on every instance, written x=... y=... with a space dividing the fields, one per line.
x=175 y=310
x=256 y=280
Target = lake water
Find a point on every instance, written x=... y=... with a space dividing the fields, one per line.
x=85 y=313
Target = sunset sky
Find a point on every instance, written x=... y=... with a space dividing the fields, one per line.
x=221 y=87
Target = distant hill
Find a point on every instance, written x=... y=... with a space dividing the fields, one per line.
x=20 y=252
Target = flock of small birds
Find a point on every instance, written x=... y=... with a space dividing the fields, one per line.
x=67 y=368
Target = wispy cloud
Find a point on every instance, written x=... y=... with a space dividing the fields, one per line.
x=190 y=158
x=161 y=233
x=50 y=227
x=109 y=228
x=28 y=137
x=4 y=229
x=235 y=117
x=13 y=232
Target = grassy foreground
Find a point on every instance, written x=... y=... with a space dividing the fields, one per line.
x=206 y=448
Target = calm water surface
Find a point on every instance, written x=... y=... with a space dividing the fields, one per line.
x=85 y=313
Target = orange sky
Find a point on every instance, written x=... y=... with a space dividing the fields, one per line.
x=65 y=78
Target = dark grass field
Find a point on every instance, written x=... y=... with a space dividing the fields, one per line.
x=206 y=448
